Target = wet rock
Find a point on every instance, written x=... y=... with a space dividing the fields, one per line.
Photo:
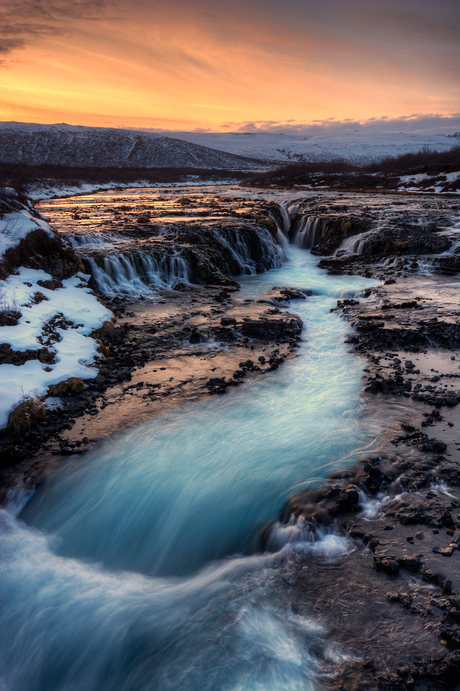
x=456 y=536
x=388 y=564
x=374 y=479
x=373 y=543
x=433 y=446
x=217 y=385
x=287 y=294
x=227 y=321
x=348 y=497
x=445 y=552
x=392 y=597
x=265 y=329
x=446 y=586
x=450 y=634
x=337 y=229
x=194 y=336
x=413 y=563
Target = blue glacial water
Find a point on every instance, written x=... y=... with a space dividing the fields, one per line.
x=138 y=568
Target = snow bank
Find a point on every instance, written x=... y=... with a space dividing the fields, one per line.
x=74 y=352
x=410 y=182
x=16 y=225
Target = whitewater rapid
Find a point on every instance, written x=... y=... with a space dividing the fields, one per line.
x=138 y=566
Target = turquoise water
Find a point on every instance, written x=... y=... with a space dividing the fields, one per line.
x=138 y=567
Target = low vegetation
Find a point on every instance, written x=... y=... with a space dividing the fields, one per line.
x=341 y=174
x=69 y=387
x=26 y=415
x=22 y=176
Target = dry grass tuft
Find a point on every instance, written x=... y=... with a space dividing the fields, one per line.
x=103 y=330
x=69 y=387
x=28 y=413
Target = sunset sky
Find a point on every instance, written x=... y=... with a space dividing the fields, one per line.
x=221 y=66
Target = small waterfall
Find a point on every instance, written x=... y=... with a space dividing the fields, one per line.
x=283 y=224
x=137 y=274
x=308 y=231
x=286 y=219
x=425 y=266
x=273 y=254
x=422 y=265
x=354 y=245
x=264 y=251
x=239 y=252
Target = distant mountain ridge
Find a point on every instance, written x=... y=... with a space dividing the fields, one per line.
x=78 y=146
x=69 y=145
x=357 y=147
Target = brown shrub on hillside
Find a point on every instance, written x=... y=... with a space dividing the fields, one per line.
x=343 y=175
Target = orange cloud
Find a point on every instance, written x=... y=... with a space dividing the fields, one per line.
x=200 y=63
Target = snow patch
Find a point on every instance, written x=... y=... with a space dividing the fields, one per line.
x=74 y=352
x=16 y=225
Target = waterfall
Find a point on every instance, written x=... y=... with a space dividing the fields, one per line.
x=308 y=231
x=354 y=245
x=286 y=218
x=239 y=251
x=247 y=259
x=425 y=266
x=137 y=274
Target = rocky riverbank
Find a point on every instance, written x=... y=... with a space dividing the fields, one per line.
x=396 y=594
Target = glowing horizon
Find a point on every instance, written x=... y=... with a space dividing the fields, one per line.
x=205 y=65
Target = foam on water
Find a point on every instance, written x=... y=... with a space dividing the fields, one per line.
x=372 y=507
x=67 y=624
x=116 y=579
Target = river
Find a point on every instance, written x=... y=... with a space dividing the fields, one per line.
x=138 y=568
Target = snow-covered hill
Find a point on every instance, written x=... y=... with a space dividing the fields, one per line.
x=69 y=145
x=356 y=147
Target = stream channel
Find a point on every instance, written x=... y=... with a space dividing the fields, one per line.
x=137 y=567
